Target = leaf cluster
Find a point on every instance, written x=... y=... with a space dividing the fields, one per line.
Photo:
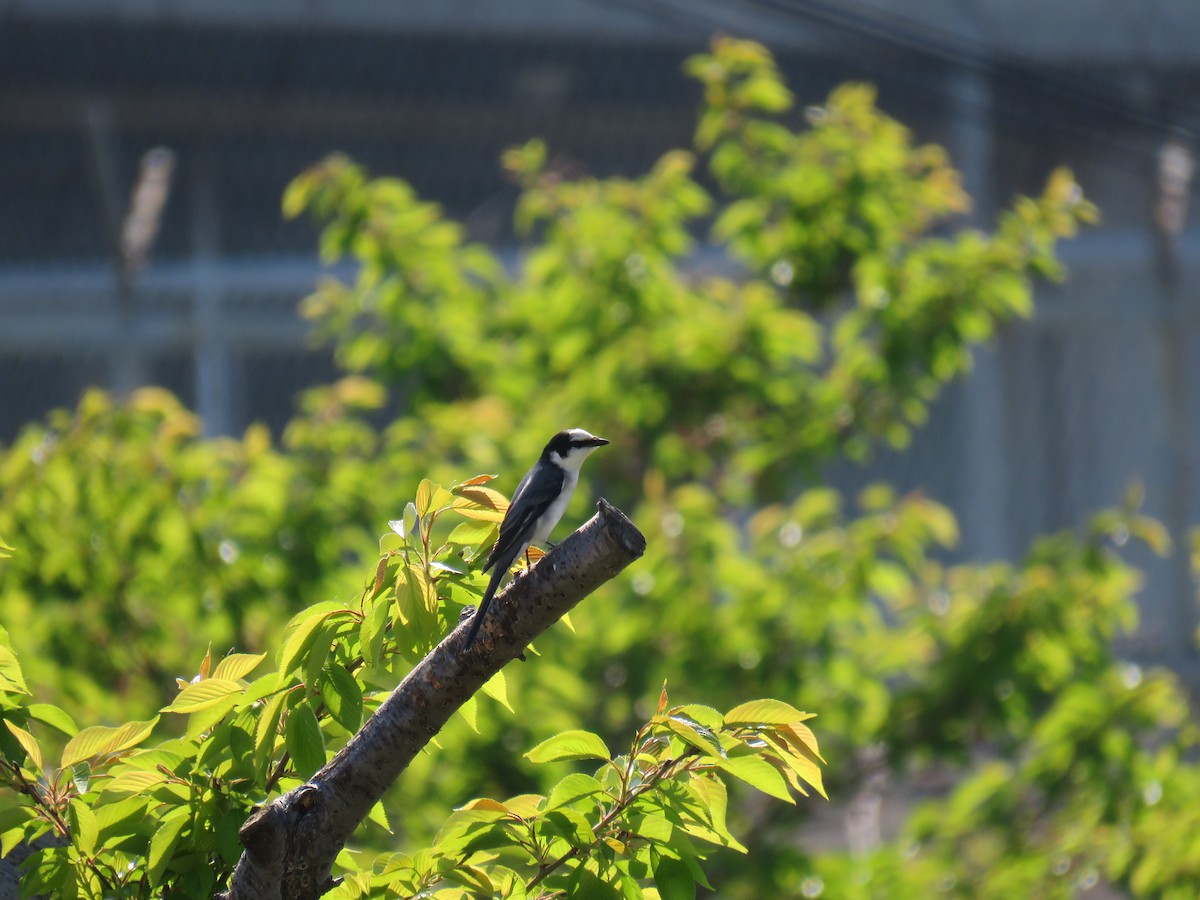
x=643 y=820
x=131 y=819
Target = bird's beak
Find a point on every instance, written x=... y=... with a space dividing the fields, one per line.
x=596 y=442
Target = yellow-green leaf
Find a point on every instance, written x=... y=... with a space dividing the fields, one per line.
x=100 y=740
x=51 y=715
x=238 y=665
x=10 y=670
x=28 y=743
x=496 y=687
x=431 y=496
x=133 y=781
x=481 y=503
x=470 y=712
x=300 y=641
x=202 y=695
x=758 y=773
x=765 y=712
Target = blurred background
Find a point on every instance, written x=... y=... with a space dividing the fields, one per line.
x=145 y=145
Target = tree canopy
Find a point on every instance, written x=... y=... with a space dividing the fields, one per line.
x=794 y=289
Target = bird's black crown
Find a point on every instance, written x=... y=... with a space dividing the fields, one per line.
x=574 y=438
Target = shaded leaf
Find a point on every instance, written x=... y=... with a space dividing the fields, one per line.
x=302 y=736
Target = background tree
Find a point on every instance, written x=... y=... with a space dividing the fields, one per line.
x=832 y=297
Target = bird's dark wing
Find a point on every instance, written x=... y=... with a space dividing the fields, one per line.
x=531 y=498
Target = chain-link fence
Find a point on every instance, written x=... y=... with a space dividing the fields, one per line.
x=1098 y=391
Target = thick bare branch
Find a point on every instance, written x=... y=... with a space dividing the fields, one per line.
x=290 y=844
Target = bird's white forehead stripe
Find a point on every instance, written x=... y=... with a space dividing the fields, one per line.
x=579 y=433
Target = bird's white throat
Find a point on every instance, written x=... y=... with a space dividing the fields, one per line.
x=573 y=459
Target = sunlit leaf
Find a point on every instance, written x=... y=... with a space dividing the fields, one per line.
x=574 y=744
x=765 y=712
x=99 y=740
x=54 y=717
x=28 y=743
x=758 y=773
x=202 y=695
x=238 y=665
x=496 y=687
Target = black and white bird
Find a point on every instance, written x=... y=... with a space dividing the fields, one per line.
x=537 y=504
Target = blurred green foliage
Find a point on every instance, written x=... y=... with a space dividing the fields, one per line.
x=830 y=298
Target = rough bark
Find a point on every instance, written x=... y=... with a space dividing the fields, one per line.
x=290 y=844
x=10 y=866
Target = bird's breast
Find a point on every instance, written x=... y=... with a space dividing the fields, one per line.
x=554 y=512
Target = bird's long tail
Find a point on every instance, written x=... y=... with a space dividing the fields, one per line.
x=476 y=623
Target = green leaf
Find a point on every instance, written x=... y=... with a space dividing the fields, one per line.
x=133 y=781
x=713 y=795
x=757 y=773
x=51 y=715
x=302 y=736
x=378 y=815
x=389 y=541
x=474 y=879
x=121 y=822
x=765 y=712
x=99 y=740
x=653 y=828
x=15 y=824
x=574 y=744
x=342 y=696
x=571 y=825
x=259 y=689
x=496 y=687
x=205 y=718
x=585 y=884
x=238 y=665
x=163 y=842
x=473 y=534
x=318 y=652
x=202 y=695
x=10 y=670
x=481 y=504
x=572 y=789
x=300 y=641
x=229 y=845
x=798 y=757
x=84 y=829
x=431 y=497
x=470 y=713
x=373 y=631
x=699 y=736
x=673 y=879
x=265 y=730
x=28 y=743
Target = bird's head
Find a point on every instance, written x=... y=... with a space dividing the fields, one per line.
x=571 y=447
